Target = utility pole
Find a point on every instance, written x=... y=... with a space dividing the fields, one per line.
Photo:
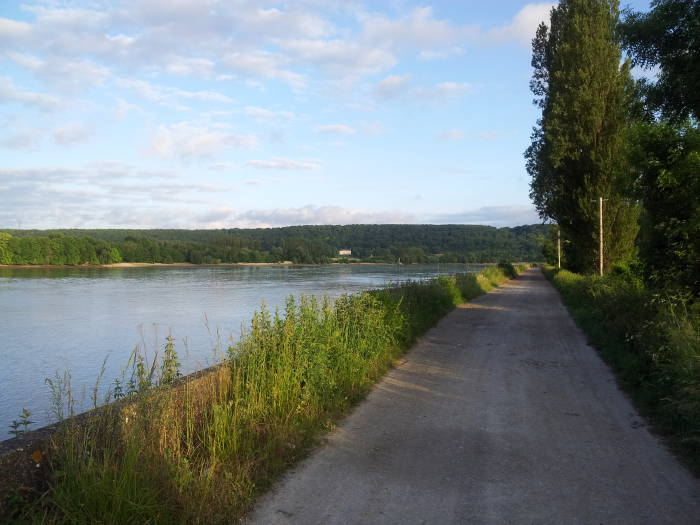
x=558 y=247
x=600 y=228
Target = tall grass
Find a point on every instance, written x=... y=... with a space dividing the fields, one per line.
x=653 y=343
x=200 y=452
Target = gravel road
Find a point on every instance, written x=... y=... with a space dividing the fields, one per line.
x=500 y=414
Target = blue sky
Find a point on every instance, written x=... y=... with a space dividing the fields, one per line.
x=243 y=113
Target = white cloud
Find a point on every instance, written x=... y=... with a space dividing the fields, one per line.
x=12 y=31
x=111 y=194
x=68 y=18
x=186 y=140
x=318 y=215
x=336 y=129
x=102 y=194
x=268 y=114
x=491 y=215
x=189 y=66
x=9 y=92
x=23 y=141
x=114 y=195
x=399 y=87
x=211 y=39
x=452 y=135
x=524 y=24
x=373 y=128
x=71 y=133
x=71 y=76
x=124 y=108
x=262 y=64
x=218 y=20
x=283 y=164
x=442 y=92
x=391 y=86
x=417 y=30
x=340 y=58
x=24 y=60
x=169 y=96
x=291 y=22
x=439 y=55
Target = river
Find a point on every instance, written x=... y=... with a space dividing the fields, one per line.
x=54 y=320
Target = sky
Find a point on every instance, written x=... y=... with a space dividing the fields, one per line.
x=245 y=113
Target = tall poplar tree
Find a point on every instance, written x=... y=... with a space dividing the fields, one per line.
x=578 y=150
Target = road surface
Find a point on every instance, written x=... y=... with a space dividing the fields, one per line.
x=500 y=414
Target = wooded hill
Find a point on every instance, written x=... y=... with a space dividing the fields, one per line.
x=299 y=244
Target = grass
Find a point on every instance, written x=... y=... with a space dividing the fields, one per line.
x=653 y=344
x=202 y=452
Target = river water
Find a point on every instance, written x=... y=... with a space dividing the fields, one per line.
x=70 y=319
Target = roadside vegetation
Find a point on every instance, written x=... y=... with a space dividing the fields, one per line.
x=165 y=453
x=651 y=340
x=629 y=150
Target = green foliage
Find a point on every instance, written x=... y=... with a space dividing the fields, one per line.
x=21 y=425
x=386 y=243
x=170 y=366
x=578 y=148
x=651 y=340
x=5 y=253
x=56 y=249
x=199 y=453
x=667 y=159
x=668 y=36
x=62 y=400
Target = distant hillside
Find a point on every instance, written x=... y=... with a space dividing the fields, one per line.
x=301 y=244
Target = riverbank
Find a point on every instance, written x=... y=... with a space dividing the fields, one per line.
x=204 y=456
x=91 y=313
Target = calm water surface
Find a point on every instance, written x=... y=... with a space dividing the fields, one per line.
x=71 y=319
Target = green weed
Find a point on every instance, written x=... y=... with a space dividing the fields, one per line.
x=21 y=425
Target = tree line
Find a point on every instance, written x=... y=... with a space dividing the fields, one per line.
x=633 y=143
x=387 y=243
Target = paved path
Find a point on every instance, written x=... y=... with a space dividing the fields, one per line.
x=500 y=414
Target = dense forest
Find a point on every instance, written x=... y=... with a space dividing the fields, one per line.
x=387 y=243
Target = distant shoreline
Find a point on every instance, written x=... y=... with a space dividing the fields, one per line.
x=151 y=265
x=188 y=265
x=192 y=265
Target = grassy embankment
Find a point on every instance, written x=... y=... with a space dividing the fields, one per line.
x=203 y=456
x=652 y=343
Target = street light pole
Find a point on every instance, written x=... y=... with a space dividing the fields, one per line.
x=558 y=247
x=600 y=228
